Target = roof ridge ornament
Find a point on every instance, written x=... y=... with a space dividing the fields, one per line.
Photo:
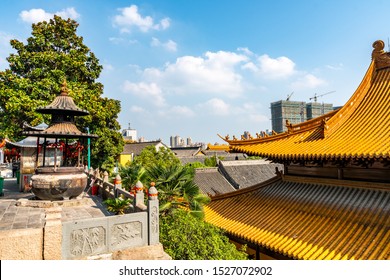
x=380 y=57
x=64 y=88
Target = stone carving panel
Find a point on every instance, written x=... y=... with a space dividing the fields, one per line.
x=154 y=220
x=125 y=234
x=87 y=241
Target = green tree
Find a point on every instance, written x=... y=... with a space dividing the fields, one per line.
x=185 y=237
x=152 y=157
x=212 y=161
x=177 y=189
x=131 y=174
x=52 y=54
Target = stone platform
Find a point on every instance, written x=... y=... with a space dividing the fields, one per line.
x=18 y=211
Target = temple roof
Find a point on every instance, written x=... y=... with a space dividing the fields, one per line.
x=246 y=173
x=360 y=129
x=218 y=147
x=211 y=182
x=309 y=218
x=137 y=147
x=63 y=103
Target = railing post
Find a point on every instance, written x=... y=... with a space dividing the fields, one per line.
x=139 y=196
x=90 y=176
x=104 y=187
x=117 y=183
x=153 y=215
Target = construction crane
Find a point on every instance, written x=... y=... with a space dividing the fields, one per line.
x=316 y=96
x=288 y=96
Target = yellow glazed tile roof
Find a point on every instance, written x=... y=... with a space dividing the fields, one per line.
x=306 y=218
x=222 y=147
x=360 y=129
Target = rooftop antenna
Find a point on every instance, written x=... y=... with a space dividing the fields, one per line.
x=288 y=96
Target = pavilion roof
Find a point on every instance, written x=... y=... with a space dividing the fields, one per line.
x=58 y=130
x=358 y=130
x=63 y=103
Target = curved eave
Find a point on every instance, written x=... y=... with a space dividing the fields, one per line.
x=319 y=156
x=59 y=134
x=61 y=110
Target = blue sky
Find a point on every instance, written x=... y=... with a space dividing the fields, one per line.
x=196 y=68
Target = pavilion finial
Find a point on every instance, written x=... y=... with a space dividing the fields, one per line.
x=64 y=88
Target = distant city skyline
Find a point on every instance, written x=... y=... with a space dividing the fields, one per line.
x=202 y=68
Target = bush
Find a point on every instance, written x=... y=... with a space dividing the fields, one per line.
x=185 y=237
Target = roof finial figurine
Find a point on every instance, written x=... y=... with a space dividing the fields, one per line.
x=380 y=57
x=289 y=126
x=234 y=138
x=227 y=137
x=64 y=88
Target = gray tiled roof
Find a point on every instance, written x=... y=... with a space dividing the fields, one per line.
x=211 y=182
x=136 y=148
x=246 y=173
x=185 y=151
x=224 y=155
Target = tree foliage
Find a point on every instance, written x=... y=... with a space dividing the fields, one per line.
x=177 y=189
x=185 y=237
x=52 y=54
x=131 y=174
x=152 y=157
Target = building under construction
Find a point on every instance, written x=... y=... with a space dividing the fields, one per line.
x=295 y=112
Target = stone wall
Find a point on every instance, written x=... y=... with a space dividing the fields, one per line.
x=21 y=244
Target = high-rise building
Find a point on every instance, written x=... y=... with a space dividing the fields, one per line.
x=295 y=112
x=315 y=109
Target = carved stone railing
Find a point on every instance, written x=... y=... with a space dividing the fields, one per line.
x=90 y=237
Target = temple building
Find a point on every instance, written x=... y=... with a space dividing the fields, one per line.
x=332 y=200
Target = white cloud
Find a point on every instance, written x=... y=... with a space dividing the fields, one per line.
x=137 y=109
x=245 y=51
x=119 y=40
x=308 y=81
x=214 y=73
x=176 y=113
x=37 y=15
x=130 y=18
x=148 y=91
x=335 y=67
x=216 y=106
x=108 y=67
x=258 y=118
x=251 y=66
x=169 y=45
x=276 y=68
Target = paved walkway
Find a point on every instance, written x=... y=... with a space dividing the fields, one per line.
x=15 y=212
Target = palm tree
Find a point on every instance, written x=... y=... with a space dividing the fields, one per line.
x=177 y=189
x=131 y=174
